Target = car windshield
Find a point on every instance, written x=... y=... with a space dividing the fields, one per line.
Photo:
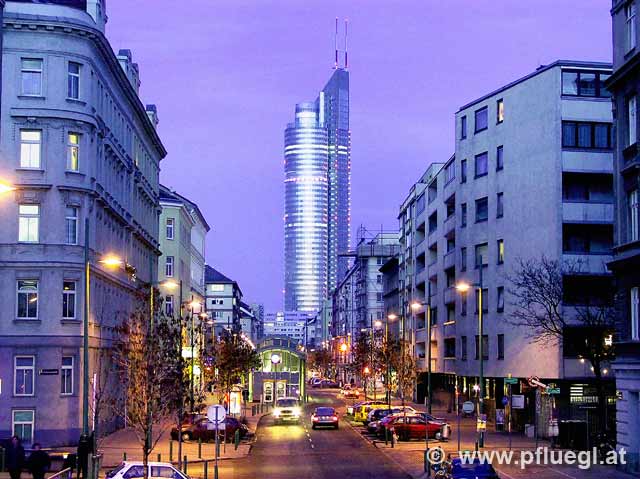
x=287 y=402
x=325 y=411
x=115 y=471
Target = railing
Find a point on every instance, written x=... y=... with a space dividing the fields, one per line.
x=64 y=474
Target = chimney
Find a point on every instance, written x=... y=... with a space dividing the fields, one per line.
x=125 y=58
x=98 y=11
x=152 y=113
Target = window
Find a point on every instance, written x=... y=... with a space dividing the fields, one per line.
x=482 y=209
x=27 y=299
x=379 y=258
x=73 y=81
x=23 y=375
x=463 y=348
x=73 y=152
x=170 y=226
x=485 y=300
x=450 y=172
x=586 y=135
x=584 y=83
x=500 y=346
x=500 y=251
x=463 y=304
x=449 y=347
x=66 y=376
x=463 y=127
x=31 y=76
x=168 y=305
x=500 y=205
x=630 y=25
x=635 y=314
x=463 y=171
x=28 y=223
x=463 y=259
x=634 y=215
x=482 y=254
x=71 y=225
x=632 y=123
x=482 y=119
x=69 y=300
x=30 y=148
x=499 y=158
x=500 y=306
x=379 y=297
x=168 y=267
x=482 y=164
x=379 y=279
x=165 y=472
x=463 y=215
x=434 y=316
x=500 y=111
x=485 y=347
x=22 y=424
x=134 y=472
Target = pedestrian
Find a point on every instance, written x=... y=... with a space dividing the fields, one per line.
x=39 y=462
x=15 y=457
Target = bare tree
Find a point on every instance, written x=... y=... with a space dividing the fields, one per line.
x=539 y=303
x=320 y=360
x=150 y=372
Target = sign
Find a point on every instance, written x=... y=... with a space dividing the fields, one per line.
x=505 y=400
x=216 y=413
x=49 y=372
x=552 y=390
x=511 y=380
x=500 y=416
x=468 y=407
x=517 y=401
x=481 y=424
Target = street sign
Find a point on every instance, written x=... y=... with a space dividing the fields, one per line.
x=468 y=407
x=481 y=424
x=216 y=413
x=552 y=390
x=517 y=401
x=505 y=400
x=511 y=380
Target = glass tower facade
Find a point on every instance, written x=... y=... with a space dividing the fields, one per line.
x=317 y=213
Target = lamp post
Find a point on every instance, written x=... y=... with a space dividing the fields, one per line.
x=415 y=306
x=463 y=288
x=378 y=325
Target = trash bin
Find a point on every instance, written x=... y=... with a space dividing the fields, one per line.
x=446 y=431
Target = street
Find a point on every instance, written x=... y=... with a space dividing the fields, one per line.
x=294 y=451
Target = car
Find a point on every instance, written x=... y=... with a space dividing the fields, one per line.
x=408 y=427
x=362 y=411
x=325 y=416
x=329 y=384
x=205 y=430
x=349 y=391
x=287 y=409
x=135 y=469
x=352 y=408
x=314 y=381
x=375 y=415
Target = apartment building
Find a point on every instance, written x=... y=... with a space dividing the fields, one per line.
x=222 y=298
x=81 y=150
x=531 y=177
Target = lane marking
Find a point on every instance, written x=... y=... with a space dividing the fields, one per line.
x=562 y=473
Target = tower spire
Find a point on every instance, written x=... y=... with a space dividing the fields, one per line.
x=335 y=65
x=346 y=31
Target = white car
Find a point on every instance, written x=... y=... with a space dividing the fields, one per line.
x=135 y=470
x=287 y=409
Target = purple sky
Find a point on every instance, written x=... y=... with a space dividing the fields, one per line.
x=226 y=75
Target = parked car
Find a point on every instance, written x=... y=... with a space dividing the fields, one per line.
x=349 y=391
x=324 y=416
x=135 y=469
x=361 y=412
x=287 y=409
x=205 y=430
x=375 y=415
x=412 y=427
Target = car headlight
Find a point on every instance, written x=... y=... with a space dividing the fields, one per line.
x=296 y=411
x=276 y=412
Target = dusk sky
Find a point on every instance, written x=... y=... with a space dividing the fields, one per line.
x=226 y=75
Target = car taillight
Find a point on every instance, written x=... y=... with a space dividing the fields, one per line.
x=334 y=418
x=314 y=418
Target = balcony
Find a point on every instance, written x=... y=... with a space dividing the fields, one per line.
x=449 y=225
x=450 y=295
x=589 y=263
x=450 y=259
x=587 y=161
x=587 y=212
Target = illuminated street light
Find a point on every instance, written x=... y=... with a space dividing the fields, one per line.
x=194 y=304
x=378 y=324
x=416 y=306
x=111 y=261
x=344 y=347
x=463 y=287
x=392 y=316
x=170 y=284
x=5 y=188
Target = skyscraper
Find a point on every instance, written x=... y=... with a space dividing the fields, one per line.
x=317 y=151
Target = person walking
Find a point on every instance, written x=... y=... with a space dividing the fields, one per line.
x=39 y=462
x=15 y=457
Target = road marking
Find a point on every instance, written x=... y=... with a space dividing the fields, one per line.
x=563 y=473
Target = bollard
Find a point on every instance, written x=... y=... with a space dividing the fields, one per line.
x=170 y=451
x=159 y=457
x=199 y=448
x=236 y=439
x=124 y=456
x=386 y=436
x=206 y=469
x=185 y=464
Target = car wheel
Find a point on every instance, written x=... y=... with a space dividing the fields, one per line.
x=186 y=436
x=313 y=426
x=337 y=426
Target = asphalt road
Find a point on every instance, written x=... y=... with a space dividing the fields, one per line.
x=297 y=451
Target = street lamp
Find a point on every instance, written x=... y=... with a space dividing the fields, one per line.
x=414 y=307
x=463 y=288
x=6 y=188
x=390 y=317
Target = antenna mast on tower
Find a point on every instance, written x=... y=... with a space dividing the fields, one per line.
x=346 y=58
x=335 y=66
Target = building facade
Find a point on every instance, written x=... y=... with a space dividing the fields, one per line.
x=531 y=178
x=222 y=298
x=82 y=150
x=290 y=324
x=624 y=85
x=317 y=196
